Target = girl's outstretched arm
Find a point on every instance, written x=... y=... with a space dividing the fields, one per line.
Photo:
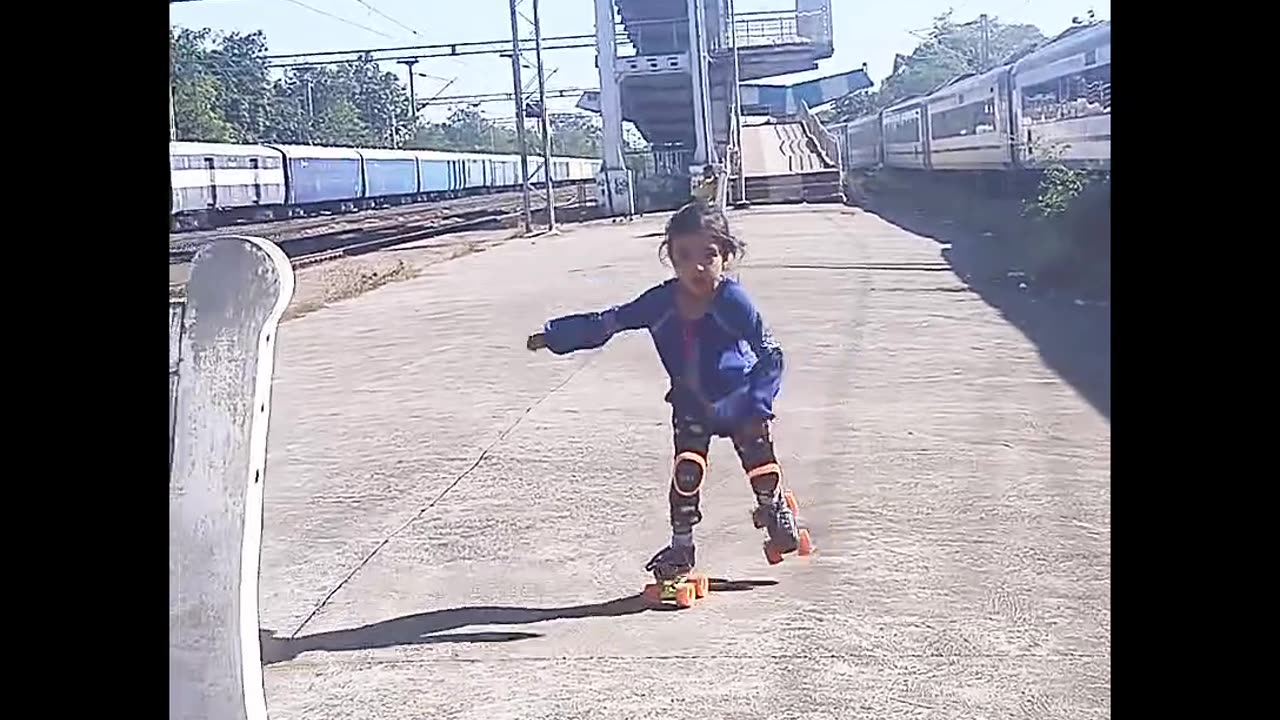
x=586 y=331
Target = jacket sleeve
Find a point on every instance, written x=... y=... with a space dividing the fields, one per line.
x=765 y=379
x=587 y=331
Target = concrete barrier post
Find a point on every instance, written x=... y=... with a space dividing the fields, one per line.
x=220 y=404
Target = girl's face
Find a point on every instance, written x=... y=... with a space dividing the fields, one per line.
x=698 y=262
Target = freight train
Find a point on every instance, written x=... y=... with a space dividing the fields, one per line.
x=216 y=184
x=1052 y=105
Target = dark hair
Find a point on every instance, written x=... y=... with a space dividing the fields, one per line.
x=702 y=217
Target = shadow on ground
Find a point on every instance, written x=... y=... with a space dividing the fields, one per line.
x=1074 y=339
x=438 y=626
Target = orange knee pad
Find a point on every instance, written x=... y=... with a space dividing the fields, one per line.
x=764 y=471
x=699 y=462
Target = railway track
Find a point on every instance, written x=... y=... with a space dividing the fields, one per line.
x=310 y=250
x=279 y=231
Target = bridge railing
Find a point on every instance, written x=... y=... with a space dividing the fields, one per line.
x=657 y=35
x=779 y=27
x=827 y=145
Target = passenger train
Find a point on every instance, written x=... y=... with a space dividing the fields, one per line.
x=215 y=184
x=1054 y=103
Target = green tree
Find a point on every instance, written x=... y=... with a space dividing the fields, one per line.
x=223 y=92
x=382 y=103
x=947 y=51
x=317 y=106
x=246 y=95
x=197 y=92
x=577 y=135
x=853 y=105
x=466 y=130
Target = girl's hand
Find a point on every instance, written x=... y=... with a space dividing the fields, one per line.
x=536 y=342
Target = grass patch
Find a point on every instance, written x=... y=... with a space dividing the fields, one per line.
x=1053 y=230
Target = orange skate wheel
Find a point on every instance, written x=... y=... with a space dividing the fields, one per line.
x=806 y=545
x=701 y=585
x=773 y=556
x=790 y=497
x=685 y=595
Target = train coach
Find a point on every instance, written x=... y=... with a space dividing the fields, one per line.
x=860 y=144
x=242 y=182
x=1053 y=104
x=390 y=176
x=214 y=184
x=905 y=135
x=322 y=177
x=969 y=123
x=1062 y=101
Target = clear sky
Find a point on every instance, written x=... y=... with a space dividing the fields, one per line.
x=870 y=31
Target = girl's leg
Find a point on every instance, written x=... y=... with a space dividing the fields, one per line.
x=754 y=445
x=692 y=440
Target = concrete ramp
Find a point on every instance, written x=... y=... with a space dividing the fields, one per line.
x=782 y=163
x=221 y=348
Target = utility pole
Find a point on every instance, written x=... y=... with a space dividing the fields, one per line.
x=311 y=111
x=740 y=178
x=413 y=98
x=986 y=42
x=546 y=120
x=173 y=127
x=702 y=151
x=519 y=93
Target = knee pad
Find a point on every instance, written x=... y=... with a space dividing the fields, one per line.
x=765 y=477
x=686 y=477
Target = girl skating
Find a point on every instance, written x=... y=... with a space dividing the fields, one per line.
x=725 y=369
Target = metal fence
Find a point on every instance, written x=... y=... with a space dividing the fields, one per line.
x=659 y=162
x=779 y=27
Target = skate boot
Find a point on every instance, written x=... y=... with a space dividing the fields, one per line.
x=672 y=563
x=779 y=521
x=672 y=568
x=778 y=517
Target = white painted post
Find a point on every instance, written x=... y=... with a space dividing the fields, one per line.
x=613 y=184
x=225 y=349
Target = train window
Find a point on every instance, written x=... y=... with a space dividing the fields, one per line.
x=1080 y=94
x=903 y=130
x=974 y=119
x=862 y=135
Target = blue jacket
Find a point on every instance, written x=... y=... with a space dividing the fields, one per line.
x=725 y=367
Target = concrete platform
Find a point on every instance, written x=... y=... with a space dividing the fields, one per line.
x=958 y=491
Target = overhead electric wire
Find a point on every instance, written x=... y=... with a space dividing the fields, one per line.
x=388 y=17
x=340 y=19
